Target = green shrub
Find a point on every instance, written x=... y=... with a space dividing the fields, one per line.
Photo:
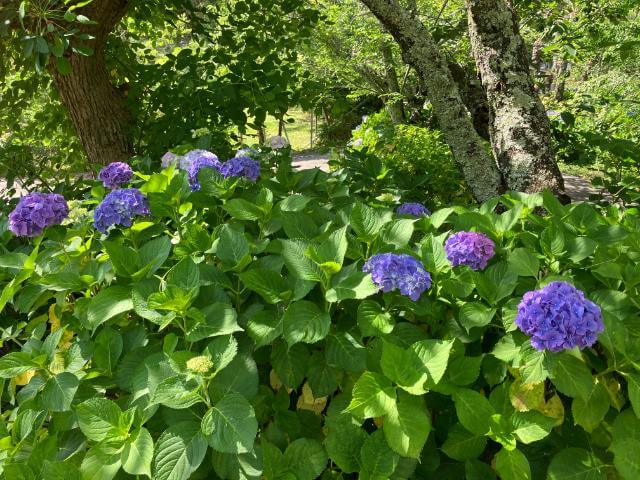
x=234 y=335
x=420 y=161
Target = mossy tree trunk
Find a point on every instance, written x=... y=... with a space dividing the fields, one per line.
x=421 y=52
x=97 y=108
x=519 y=127
x=394 y=102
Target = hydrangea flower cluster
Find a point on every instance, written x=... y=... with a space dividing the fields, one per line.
x=187 y=160
x=278 y=142
x=201 y=364
x=241 y=167
x=559 y=317
x=115 y=174
x=205 y=161
x=390 y=271
x=414 y=209
x=120 y=207
x=35 y=212
x=169 y=159
x=470 y=248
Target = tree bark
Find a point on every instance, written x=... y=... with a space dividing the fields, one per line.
x=519 y=126
x=97 y=108
x=420 y=51
x=394 y=104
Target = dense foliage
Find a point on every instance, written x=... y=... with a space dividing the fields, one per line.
x=288 y=329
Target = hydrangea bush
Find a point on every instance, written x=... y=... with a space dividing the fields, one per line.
x=286 y=329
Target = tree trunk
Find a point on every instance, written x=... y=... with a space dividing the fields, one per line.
x=420 y=51
x=519 y=127
x=394 y=104
x=96 y=106
x=474 y=98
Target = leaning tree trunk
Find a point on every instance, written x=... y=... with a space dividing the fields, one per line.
x=420 y=51
x=394 y=104
x=97 y=108
x=519 y=127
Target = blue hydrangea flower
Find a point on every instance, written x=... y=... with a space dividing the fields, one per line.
x=241 y=167
x=115 y=174
x=197 y=165
x=559 y=317
x=120 y=207
x=470 y=248
x=35 y=212
x=187 y=160
x=390 y=271
x=413 y=209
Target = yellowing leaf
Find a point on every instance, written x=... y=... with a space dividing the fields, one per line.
x=308 y=402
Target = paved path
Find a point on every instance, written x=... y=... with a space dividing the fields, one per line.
x=577 y=188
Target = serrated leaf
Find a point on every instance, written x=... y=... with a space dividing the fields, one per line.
x=512 y=465
x=179 y=451
x=373 y=396
x=304 y=322
x=231 y=425
x=137 y=453
x=59 y=391
x=407 y=426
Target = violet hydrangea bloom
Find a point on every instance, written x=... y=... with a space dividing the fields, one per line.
x=35 y=212
x=169 y=159
x=414 y=209
x=470 y=248
x=197 y=165
x=120 y=207
x=187 y=160
x=115 y=174
x=390 y=271
x=559 y=317
x=241 y=167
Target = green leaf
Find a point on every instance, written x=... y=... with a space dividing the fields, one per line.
x=357 y=285
x=407 y=426
x=16 y=363
x=59 y=391
x=576 y=464
x=524 y=263
x=633 y=387
x=231 y=425
x=98 y=418
x=268 y=284
x=403 y=367
x=233 y=248
x=373 y=320
x=534 y=366
x=304 y=322
x=176 y=392
x=294 y=203
x=475 y=315
x=331 y=250
x=137 y=453
x=222 y=351
x=474 y=410
x=463 y=445
x=243 y=210
x=512 y=465
x=377 y=459
x=107 y=304
x=434 y=355
x=344 y=442
x=290 y=363
x=434 y=256
x=373 y=396
x=179 y=451
x=625 y=459
x=588 y=412
x=495 y=283
x=264 y=327
x=101 y=461
x=219 y=319
x=398 y=233
x=346 y=353
x=367 y=222
x=571 y=376
x=298 y=263
x=306 y=458
x=153 y=254
x=531 y=426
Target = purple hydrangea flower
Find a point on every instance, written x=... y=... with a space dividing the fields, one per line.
x=187 y=160
x=241 y=167
x=278 y=142
x=35 y=212
x=470 y=248
x=414 y=209
x=197 y=165
x=120 y=207
x=390 y=271
x=559 y=317
x=169 y=159
x=115 y=174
